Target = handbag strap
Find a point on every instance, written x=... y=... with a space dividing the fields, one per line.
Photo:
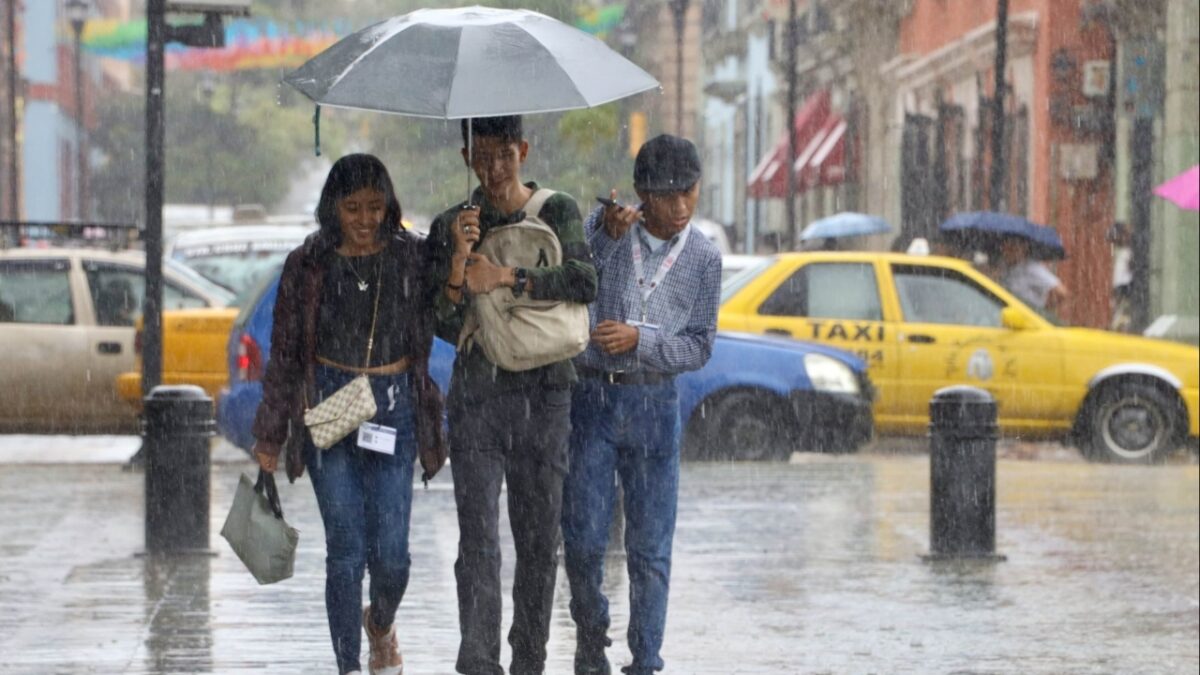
x=266 y=481
x=374 y=317
x=374 y=312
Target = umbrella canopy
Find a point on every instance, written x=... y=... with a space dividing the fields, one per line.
x=985 y=229
x=469 y=62
x=1183 y=190
x=845 y=224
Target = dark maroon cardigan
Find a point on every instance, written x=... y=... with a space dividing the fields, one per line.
x=291 y=367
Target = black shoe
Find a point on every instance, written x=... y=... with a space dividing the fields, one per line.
x=590 y=658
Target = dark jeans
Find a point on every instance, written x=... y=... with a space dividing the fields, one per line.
x=365 y=499
x=631 y=431
x=521 y=438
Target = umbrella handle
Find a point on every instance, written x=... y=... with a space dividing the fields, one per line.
x=470 y=137
x=317 y=130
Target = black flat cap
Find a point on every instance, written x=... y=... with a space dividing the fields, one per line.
x=666 y=163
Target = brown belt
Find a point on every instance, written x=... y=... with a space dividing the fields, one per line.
x=393 y=368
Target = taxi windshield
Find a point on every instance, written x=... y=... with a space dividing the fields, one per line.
x=738 y=281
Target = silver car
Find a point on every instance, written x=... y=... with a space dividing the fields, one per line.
x=238 y=256
x=67 y=330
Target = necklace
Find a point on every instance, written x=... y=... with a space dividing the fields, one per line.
x=363 y=284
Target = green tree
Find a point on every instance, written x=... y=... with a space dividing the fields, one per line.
x=234 y=146
x=120 y=139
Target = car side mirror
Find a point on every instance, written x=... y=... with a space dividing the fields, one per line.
x=1014 y=319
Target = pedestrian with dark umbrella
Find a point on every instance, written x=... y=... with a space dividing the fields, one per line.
x=655 y=317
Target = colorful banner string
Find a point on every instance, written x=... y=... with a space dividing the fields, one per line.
x=600 y=20
x=256 y=44
x=249 y=44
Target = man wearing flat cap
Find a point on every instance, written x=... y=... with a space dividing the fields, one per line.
x=655 y=316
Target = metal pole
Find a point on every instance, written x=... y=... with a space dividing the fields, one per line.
x=207 y=89
x=1141 y=185
x=679 y=8
x=81 y=158
x=997 y=198
x=748 y=168
x=790 y=120
x=752 y=230
x=14 y=180
x=152 y=234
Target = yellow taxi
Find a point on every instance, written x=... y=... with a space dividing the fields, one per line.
x=923 y=323
x=193 y=352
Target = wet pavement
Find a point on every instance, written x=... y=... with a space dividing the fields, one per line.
x=809 y=567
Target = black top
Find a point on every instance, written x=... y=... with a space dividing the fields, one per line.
x=346 y=310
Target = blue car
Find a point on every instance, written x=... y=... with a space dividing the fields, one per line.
x=758 y=398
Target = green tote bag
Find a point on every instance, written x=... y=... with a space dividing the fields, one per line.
x=257 y=532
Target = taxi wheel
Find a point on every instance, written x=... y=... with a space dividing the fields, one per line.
x=1131 y=423
x=750 y=426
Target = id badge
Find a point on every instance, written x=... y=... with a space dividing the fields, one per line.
x=641 y=324
x=377 y=437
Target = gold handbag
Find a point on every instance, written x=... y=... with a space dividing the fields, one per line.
x=337 y=416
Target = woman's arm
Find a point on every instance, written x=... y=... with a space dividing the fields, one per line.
x=285 y=371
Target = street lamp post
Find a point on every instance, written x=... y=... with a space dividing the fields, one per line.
x=997 y=200
x=679 y=10
x=208 y=87
x=158 y=33
x=77 y=14
x=790 y=120
x=10 y=68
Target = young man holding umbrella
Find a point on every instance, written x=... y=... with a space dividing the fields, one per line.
x=505 y=425
x=655 y=317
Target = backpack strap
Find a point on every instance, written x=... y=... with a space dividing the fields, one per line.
x=536 y=201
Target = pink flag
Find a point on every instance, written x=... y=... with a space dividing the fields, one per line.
x=1183 y=189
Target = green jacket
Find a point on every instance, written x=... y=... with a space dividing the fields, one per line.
x=575 y=280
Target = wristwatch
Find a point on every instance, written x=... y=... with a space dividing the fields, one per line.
x=520 y=276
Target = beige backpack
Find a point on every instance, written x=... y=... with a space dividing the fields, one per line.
x=517 y=332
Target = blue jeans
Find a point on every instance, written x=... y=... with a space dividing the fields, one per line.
x=630 y=431
x=365 y=499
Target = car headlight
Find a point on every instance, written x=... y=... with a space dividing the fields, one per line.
x=829 y=374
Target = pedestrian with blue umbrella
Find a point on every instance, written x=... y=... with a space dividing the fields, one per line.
x=845 y=224
x=984 y=231
x=1016 y=249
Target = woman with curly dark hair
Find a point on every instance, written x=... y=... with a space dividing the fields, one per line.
x=351 y=302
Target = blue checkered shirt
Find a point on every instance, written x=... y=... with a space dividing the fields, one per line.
x=683 y=307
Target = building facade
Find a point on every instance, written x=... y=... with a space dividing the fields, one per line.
x=1099 y=105
x=1157 y=138
x=52 y=123
x=1058 y=129
x=739 y=87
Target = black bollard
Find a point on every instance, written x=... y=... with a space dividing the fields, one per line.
x=176 y=427
x=962 y=474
